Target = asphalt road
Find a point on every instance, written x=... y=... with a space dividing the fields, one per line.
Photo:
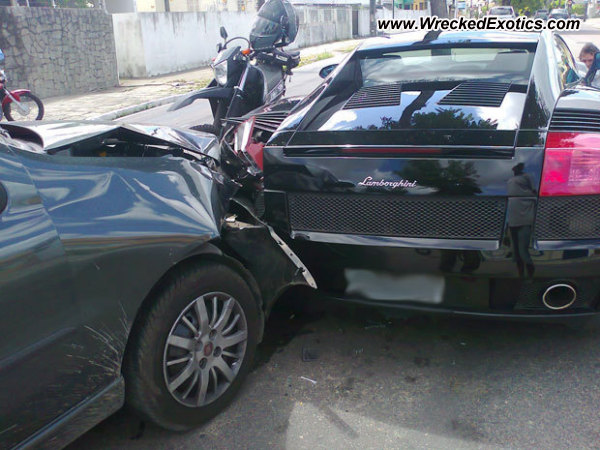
x=417 y=382
x=421 y=382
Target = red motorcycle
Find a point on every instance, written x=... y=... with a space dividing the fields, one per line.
x=19 y=104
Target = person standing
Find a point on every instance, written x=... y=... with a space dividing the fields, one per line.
x=586 y=56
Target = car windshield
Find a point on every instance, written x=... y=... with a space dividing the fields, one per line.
x=501 y=11
x=448 y=64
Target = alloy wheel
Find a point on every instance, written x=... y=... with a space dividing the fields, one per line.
x=205 y=349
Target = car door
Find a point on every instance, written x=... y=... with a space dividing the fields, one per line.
x=39 y=356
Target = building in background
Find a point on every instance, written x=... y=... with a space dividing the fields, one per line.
x=420 y=5
x=194 y=5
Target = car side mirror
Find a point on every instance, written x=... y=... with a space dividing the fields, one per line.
x=325 y=71
x=223 y=33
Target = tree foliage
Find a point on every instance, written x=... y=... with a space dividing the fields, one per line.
x=556 y=4
x=528 y=7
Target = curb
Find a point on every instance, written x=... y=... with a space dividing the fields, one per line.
x=118 y=113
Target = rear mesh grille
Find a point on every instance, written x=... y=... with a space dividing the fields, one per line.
x=568 y=218
x=471 y=218
x=476 y=93
x=371 y=96
x=575 y=120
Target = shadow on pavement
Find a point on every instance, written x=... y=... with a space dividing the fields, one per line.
x=331 y=376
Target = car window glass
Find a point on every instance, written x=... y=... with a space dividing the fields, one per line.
x=567 y=68
x=443 y=64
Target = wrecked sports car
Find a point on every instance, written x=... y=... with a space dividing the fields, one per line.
x=455 y=173
x=126 y=271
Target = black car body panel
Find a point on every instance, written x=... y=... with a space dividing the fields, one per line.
x=96 y=215
x=429 y=200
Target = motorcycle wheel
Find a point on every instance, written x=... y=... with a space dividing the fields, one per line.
x=34 y=114
x=206 y=128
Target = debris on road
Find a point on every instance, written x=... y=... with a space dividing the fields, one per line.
x=308 y=379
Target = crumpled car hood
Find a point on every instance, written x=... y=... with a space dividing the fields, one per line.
x=51 y=135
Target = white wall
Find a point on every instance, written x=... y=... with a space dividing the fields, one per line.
x=402 y=14
x=363 y=18
x=150 y=44
x=179 y=41
x=319 y=25
x=129 y=45
x=364 y=27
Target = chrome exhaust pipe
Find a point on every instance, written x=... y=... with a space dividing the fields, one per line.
x=559 y=296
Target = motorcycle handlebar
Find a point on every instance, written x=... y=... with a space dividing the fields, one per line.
x=275 y=55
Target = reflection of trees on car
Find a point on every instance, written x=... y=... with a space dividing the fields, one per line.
x=440 y=118
x=450 y=118
x=458 y=177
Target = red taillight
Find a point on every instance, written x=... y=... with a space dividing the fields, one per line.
x=571 y=164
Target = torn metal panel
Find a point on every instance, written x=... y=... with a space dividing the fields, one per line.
x=272 y=263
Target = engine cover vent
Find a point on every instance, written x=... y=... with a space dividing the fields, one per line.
x=476 y=93
x=373 y=96
x=575 y=120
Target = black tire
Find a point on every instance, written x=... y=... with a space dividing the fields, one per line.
x=26 y=95
x=145 y=366
x=206 y=128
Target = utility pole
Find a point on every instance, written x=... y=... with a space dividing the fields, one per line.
x=372 y=17
x=167 y=7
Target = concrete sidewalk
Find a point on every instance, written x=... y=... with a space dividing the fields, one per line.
x=595 y=22
x=134 y=95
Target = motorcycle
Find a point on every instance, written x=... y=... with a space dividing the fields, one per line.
x=19 y=104
x=245 y=79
